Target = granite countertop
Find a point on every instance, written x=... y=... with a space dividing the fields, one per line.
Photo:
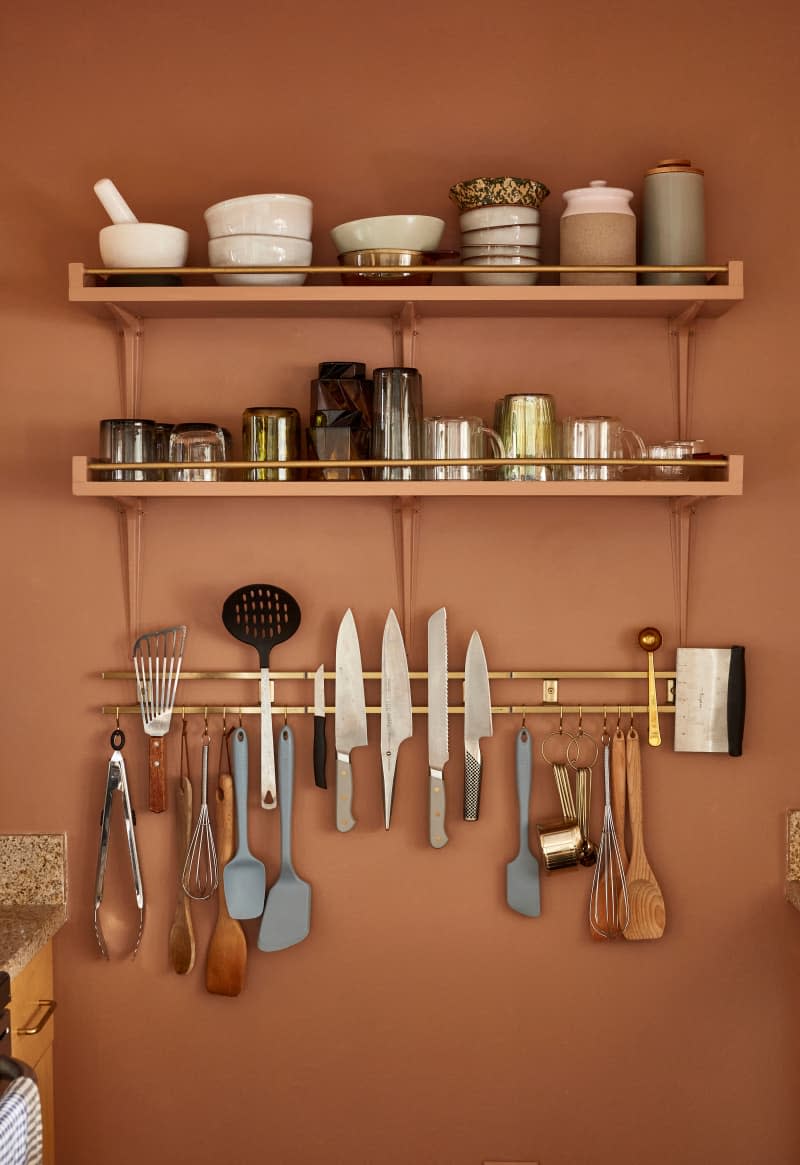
x=33 y=895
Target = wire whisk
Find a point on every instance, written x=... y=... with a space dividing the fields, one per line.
x=200 y=875
x=609 y=908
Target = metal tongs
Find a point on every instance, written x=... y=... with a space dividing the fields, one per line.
x=117 y=780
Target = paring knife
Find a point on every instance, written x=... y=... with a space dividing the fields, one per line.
x=396 y=720
x=351 y=717
x=320 y=749
x=477 y=723
x=438 y=742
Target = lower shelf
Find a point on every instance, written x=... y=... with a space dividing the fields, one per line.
x=83 y=485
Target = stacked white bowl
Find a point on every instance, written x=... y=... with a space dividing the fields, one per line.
x=260 y=230
x=500 y=236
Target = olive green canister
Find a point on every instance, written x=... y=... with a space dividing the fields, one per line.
x=673 y=221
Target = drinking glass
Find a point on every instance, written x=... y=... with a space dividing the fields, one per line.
x=397 y=423
x=674 y=449
x=198 y=441
x=450 y=437
x=526 y=424
x=271 y=434
x=127 y=439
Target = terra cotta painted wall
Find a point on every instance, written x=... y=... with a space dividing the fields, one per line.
x=422 y=1021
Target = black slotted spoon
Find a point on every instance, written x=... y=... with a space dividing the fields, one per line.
x=263 y=616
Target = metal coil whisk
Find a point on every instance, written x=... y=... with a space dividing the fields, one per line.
x=609 y=908
x=200 y=876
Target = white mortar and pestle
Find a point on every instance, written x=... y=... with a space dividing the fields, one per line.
x=130 y=243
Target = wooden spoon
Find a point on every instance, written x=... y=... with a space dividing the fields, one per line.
x=647 y=912
x=226 y=961
x=181 y=935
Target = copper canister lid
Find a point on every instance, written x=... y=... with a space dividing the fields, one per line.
x=675 y=166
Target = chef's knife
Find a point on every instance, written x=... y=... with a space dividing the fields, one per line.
x=351 y=716
x=477 y=723
x=438 y=742
x=320 y=749
x=396 y=718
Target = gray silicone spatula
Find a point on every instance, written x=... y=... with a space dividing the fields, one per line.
x=522 y=875
x=287 y=916
x=244 y=877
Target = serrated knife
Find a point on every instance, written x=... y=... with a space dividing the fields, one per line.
x=477 y=723
x=396 y=719
x=351 y=717
x=438 y=739
x=320 y=748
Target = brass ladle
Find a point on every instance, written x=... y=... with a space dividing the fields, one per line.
x=650 y=640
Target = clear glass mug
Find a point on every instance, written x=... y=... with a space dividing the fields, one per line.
x=450 y=437
x=600 y=437
x=527 y=426
x=675 y=449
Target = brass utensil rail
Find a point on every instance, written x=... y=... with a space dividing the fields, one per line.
x=549 y=708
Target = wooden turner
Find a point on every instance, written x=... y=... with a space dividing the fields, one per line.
x=226 y=962
x=181 y=935
x=647 y=912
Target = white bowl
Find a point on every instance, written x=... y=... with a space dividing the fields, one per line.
x=524 y=236
x=261 y=214
x=412 y=232
x=499 y=253
x=497 y=216
x=143 y=244
x=527 y=274
x=259 y=251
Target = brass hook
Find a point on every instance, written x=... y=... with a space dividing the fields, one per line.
x=580 y=720
x=619 y=716
x=240 y=717
x=285 y=716
x=630 y=713
x=561 y=721
x=205 y=721
x=117 y=717
x=224 y=720
x=605 y=720
x=524 y=715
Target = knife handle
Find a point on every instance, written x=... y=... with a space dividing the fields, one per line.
x=436 y=806
x=344 y=793
x=156 y=773
x=320 y=752
x=473 y=766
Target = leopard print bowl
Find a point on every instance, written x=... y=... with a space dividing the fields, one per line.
x=477 y=192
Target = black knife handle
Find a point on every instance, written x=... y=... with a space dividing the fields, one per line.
x=737 y=694
x=473 y=767
x=320 y=752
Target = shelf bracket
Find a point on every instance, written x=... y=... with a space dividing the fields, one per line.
x=681 y=331
x=130 y=329
x=681 y=513
x=405 y=329
x=405 y=519
x=131 y=539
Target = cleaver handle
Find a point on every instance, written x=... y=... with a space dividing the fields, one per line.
x=737 y=699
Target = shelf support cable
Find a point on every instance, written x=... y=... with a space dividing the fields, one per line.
x=131 y=537
x=130 y=329
x=681 y=332
x=405 y=329
x=405 y=519
x=681 y=534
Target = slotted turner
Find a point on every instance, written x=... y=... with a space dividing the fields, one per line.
x=263 y=615
x=157 y=658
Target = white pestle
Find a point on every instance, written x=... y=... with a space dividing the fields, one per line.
x=114 y=204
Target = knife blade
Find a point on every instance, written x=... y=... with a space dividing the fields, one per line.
x=396 y=719
x=320 y=748
x=477 y=723
x=351 y=716
x=438 y=739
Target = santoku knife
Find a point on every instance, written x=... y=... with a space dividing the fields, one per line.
x=320 y=748
x=438 y=741
x=396 y=720
x=351 y=716
x=477 y=723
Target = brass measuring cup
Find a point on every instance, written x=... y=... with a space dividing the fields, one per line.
x=561 y=840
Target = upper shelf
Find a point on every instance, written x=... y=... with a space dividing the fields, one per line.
x=665 y=302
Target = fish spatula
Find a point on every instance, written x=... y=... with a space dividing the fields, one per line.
x=157 y=658
x=263 y=615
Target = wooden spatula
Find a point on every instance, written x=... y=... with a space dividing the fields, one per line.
x=181 y=935
x=226 y=961
x=647 y=912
